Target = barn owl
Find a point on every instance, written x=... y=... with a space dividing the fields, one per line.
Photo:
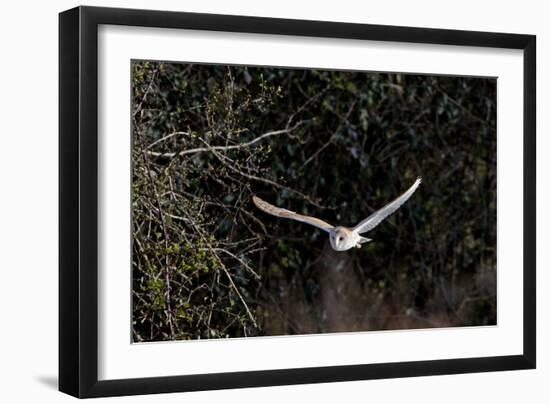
x=342 y=238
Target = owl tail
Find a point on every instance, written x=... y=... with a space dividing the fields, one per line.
x=364 y=239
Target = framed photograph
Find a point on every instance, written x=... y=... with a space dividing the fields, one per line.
x=251 y=201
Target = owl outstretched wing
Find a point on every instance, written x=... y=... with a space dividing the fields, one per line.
x=288 y=214
x=376 y=218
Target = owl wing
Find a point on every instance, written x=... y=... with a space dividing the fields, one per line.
x=288 y=214
x=376 y=218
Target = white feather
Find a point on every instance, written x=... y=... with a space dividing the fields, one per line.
x=376 y=218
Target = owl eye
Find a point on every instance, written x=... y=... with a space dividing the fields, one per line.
x=340 y=238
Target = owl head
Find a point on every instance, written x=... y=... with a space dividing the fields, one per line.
x=340 y=238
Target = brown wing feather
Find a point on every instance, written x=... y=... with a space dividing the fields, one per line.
x=288 y=214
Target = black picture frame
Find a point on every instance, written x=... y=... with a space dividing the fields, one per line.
x=78 y=201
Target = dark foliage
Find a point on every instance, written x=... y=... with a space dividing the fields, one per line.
x=333 y=144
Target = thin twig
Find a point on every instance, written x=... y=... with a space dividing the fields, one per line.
x=162 y=139
x=244 y=264
x=267 y=181
x=138 y=109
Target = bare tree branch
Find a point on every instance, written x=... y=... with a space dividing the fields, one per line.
x=220 y=148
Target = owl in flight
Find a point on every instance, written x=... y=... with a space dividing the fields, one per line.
x=342 y=238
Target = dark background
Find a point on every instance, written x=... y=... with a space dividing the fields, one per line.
x=333 y=144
